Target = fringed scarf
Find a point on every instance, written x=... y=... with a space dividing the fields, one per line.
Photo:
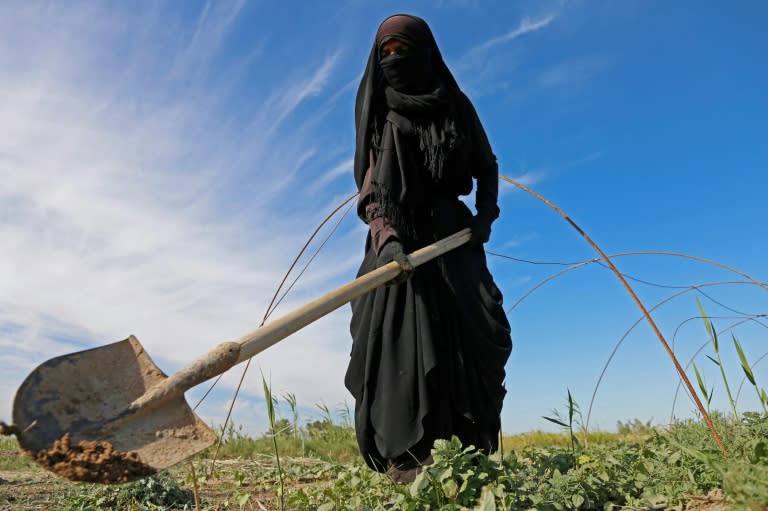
x=391 y=120
x=432 y=123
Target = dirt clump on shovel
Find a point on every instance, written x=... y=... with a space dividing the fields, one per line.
x=92 y=461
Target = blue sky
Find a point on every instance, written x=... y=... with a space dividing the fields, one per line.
x=162 y=162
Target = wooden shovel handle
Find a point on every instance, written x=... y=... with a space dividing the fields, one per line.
x=228 y=354
x=275 y=331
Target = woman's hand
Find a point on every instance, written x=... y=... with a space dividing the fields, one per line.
x=393 y=251
x=481 y=230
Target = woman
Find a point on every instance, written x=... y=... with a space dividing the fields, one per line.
x=428 y=351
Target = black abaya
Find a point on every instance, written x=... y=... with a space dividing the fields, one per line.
x=428 y=354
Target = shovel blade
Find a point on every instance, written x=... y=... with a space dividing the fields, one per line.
x=72 y=414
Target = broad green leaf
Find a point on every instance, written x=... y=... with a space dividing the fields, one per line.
x=419 y=484
x=577 y=500
x=486 y=502
x=450 y=489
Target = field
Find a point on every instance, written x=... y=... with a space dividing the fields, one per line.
x=718 y=462
x=316 y=467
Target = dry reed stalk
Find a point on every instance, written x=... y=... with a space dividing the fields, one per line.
x=694 y=394
x=695 y=287
x=270 y=309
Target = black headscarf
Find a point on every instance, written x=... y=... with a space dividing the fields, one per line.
x=413 y=94
x=413 y=31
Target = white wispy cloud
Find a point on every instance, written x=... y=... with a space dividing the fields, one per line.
x=343 y=168
x=526 y=25
x=311 y=86
x=131 y=203
x=483 y=70
x=573 y=72
x=213 y=26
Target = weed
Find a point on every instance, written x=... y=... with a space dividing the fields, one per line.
x=11 y=458
x=762 y=396
x=635 y=428
x=159 y=492
x=290 y=398
x=652 y=471
x=716 y=360
x=703 y=387
x=270 y=400
x=574 y=414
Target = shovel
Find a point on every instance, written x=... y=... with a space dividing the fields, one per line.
x=110 y=415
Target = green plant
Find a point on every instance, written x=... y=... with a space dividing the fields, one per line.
x=635 y=427
x=290 y=398
x=702 y=386
x=159 y=492
x=743 y=476
x=270 y=400
x=195 y=487
x=762 y=396
x=574 y=411
x=327 y=415
x=649 y=472
x=716 y=360
x=460 y=476
x=11 y=457
x=345 y=414
x=352 y=488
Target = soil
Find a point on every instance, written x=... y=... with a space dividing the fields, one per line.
x=30 y=488
x=91 y=461
x=713 y=501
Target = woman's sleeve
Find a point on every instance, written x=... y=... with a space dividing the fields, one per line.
x=370 y=212
x=485 y=169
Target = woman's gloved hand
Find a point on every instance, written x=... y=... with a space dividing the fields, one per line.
x=393 y=251
x=481 y=229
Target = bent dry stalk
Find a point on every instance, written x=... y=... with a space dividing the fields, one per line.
x=273 y=303
x=681 y=372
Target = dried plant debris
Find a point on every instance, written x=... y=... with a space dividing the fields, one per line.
x=92 y=461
